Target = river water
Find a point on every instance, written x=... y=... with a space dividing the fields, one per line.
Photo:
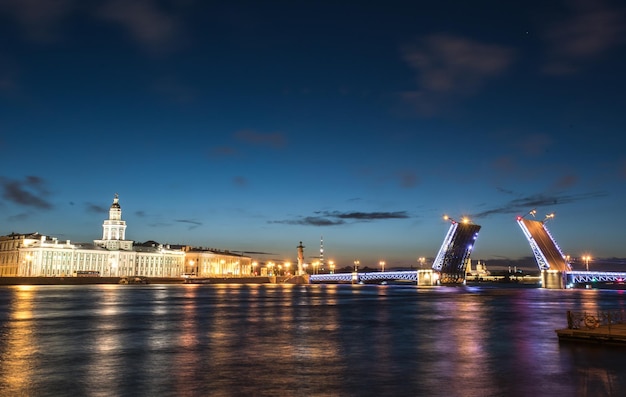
x=301 y=340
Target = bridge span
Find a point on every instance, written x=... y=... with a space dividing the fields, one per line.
x=450 y=264
x=420 y=277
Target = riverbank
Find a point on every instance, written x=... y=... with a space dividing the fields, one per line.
x=142 y=280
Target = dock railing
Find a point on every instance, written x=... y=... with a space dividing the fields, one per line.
x=591 y=320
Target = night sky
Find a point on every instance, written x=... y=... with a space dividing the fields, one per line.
x=252 y=126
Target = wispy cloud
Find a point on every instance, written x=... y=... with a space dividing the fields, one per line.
x=275 y=140
x=96 y=208
x=590 y=29
x=525 y=204
x=40 y=20
x=30 y=192
x=223 y=151
x=147 y=22
x=407 y=178
x=193 y=224
x=450 y=66
x=240 y=181
x=334 y=218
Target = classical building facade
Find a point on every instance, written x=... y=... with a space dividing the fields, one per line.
x=35 y=255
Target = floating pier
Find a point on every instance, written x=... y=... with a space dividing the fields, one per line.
x=602 y=327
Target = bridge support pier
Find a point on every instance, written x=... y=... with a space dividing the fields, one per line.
x=553 y=279
x=427 y=277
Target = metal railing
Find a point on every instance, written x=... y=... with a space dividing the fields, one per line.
x=592 y=320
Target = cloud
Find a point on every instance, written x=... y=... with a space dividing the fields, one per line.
x=193 y=224
x=18 y=217
x=449 y=66
x=534 y=145
x=40 y=20
x=525 y=204
x=408 y=179
x=566 y=181
x=95 y=208
x=223 y=151
x=30 y=192
x=149 y=25
x=274 y=140
x=147 y=21
x=622 y=169
x=591 y=29
x=334 y=218
x=240 y=181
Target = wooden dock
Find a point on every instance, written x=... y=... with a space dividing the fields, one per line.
x=606 y=327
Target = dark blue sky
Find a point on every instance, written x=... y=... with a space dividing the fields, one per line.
x=252 y=126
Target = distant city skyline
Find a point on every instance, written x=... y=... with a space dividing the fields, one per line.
x=253 y=126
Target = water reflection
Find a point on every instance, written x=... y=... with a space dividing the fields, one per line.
x=267 y=340
x=18 y=357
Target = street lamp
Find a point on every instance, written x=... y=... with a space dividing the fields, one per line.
x=287 y=266
x=356 y=265
x=332 y=267
x=382 y=265
x=254 y=265
x=587 y=258
x=421 y=260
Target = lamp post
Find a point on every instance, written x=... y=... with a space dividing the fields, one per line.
x=382 y=266
x=191 y=263
x=287 y=266
x=356 y=265
x=331 y=264
x=254 y=265
x=587 y=258
x=421 y=260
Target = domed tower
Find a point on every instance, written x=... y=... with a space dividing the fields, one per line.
x=114 y=229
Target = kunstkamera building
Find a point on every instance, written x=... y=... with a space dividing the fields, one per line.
x=35 y=255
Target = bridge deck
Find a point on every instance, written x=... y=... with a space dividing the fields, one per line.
x=546 y=245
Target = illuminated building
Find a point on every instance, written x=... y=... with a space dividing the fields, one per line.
x=35 y=255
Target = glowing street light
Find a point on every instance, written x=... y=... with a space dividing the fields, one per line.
x=586 y=258
x=254 y=265
x=331 y=264
x=421 y=260
x=382 y=265
x=287 y=266
x=356 y=265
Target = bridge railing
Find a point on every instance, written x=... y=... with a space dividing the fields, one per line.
x=591 y=320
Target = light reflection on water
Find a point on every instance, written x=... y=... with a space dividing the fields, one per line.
x=315 y=340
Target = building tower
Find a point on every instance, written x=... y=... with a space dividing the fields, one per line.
x=114 y=229
x=300 y=258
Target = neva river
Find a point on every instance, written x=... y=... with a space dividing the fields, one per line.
x=290 y=340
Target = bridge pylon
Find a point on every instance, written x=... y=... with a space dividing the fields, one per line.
x=550 y=259
x=454 y=254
